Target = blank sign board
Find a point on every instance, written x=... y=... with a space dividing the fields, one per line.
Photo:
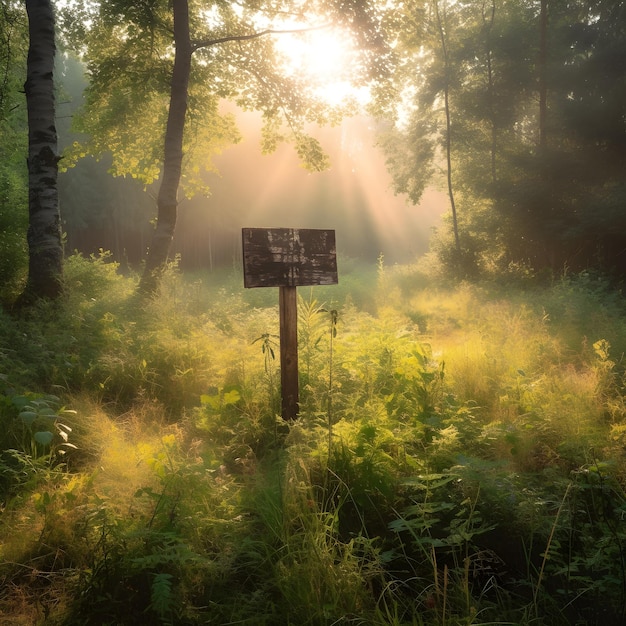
x=288 y=257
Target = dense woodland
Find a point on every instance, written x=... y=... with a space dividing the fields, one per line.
x=460 y=451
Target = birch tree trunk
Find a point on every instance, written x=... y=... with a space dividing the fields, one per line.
x=167 y=200
x=45 y=267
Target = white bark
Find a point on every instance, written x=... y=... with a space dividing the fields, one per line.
x=44 y=231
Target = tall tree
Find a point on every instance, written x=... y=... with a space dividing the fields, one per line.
x=167 y=201
x=543 y=74
x=488 y=15
x=442 y=25
x=45 y=268
x=427 y=81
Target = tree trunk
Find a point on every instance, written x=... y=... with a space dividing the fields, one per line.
x=543 y=81
x=167 y=200
x=45 y=268
x=488 y=26
x=446 y=104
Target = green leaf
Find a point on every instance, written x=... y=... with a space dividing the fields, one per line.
x=211 y=401
x=28 y=417
x=20 y=401
x=161 y=594
x=43 y=437
x=231 y=397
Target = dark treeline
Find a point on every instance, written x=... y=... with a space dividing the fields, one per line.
x=523 y=103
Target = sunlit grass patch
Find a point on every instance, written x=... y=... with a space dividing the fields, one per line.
x=499 y=344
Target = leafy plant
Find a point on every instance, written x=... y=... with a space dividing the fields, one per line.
x=39 y=428
x=269 y=346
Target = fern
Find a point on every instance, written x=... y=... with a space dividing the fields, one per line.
x=161 y=597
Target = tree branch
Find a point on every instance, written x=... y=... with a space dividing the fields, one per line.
x=207 y=43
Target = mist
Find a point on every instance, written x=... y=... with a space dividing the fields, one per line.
x=353 y=197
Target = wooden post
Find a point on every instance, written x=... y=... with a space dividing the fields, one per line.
x=289 y=352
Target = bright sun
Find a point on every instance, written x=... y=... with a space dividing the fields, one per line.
x=326 y=57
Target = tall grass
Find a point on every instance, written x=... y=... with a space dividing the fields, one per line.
x=459 y=456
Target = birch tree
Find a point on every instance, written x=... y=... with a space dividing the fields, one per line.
x=45 y=268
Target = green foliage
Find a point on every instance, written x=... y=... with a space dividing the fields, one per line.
x=35 y=442
x=13 y=222
x=13 y=173
x=534 y=187
x=42 y=430
x=459 y=455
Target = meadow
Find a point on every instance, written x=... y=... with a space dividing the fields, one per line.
x=459 y=456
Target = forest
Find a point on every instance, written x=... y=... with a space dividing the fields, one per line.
x=459 y=451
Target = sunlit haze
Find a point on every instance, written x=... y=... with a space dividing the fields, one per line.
x=353 y=197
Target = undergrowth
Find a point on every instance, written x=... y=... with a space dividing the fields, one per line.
x=458 y=459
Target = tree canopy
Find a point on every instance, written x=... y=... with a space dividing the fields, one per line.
x=129 y=54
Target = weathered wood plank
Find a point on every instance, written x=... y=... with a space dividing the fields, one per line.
x=289 y=257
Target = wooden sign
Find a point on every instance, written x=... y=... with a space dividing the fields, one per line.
x=288 y=258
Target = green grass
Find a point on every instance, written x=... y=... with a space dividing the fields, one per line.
x=459 y=457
